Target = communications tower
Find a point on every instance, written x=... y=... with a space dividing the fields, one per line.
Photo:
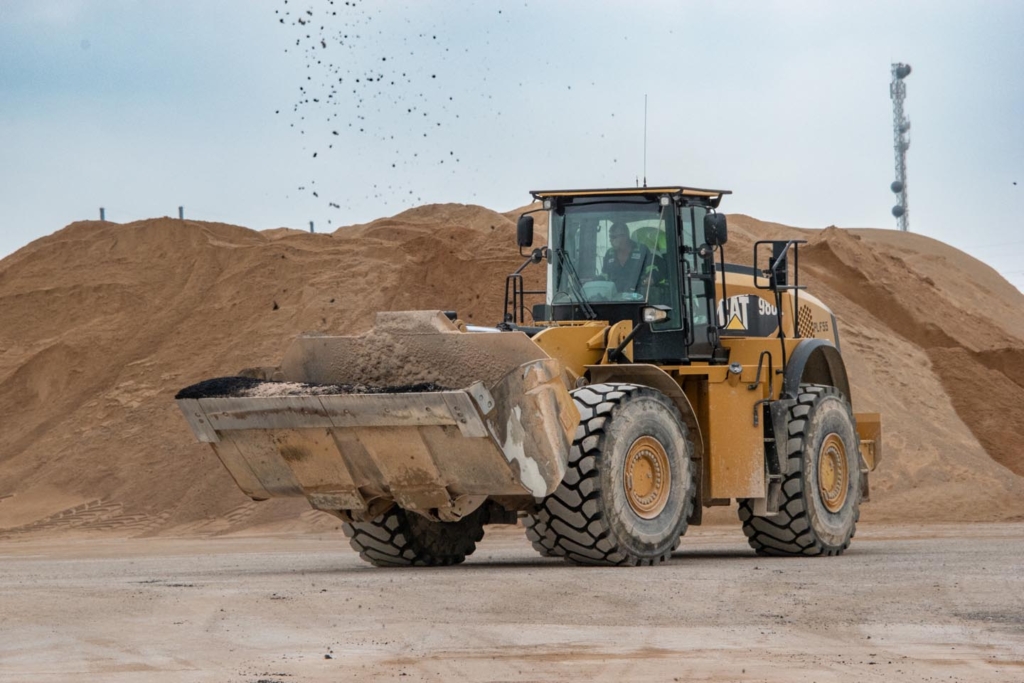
x=901 y=142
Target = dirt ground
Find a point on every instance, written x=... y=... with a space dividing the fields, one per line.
x=922 y=603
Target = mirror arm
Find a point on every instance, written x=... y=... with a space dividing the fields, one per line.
x=614 y=354
x=535 y=256
x=785 y=252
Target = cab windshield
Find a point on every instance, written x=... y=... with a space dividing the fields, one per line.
x=609 y=251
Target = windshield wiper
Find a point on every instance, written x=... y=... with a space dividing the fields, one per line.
x=575 y=284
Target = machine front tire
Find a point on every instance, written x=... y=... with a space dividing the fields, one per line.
x=629 y=487
x=821 y=495
x=405 y=539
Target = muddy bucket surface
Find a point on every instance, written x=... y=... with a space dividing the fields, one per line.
x=357 y=423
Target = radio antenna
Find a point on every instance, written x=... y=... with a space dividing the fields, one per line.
x=645 y=139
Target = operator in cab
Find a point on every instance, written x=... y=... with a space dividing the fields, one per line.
x=626 y=260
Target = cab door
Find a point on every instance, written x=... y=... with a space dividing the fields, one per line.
x=665 y=342
x=698 y=284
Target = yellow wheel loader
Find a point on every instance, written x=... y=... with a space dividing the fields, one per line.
x=652 y=381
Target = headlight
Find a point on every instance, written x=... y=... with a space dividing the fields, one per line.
x=655 y=314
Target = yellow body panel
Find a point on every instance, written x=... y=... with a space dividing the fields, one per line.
x=814 y=319
x=750 y=311
x=574 y=346
x=724 y=402
x=616 y=334
x=735 y=457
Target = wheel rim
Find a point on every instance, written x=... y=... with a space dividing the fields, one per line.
x=833 y=473
x=646 y=477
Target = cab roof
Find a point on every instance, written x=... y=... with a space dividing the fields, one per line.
x=664 y=189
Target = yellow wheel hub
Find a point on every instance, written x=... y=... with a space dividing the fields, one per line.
x=646 y=477
x=833 y=473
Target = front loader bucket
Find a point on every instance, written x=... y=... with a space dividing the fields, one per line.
x=414 y=412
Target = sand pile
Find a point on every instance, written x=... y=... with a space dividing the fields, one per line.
x=100 y=325
x=934 y=340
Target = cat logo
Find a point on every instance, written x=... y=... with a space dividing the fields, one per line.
x=748 y=314
x=736 y=314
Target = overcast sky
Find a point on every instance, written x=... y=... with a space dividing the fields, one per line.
x=141 y=106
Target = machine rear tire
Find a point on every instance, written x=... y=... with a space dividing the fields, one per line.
x=405 y=539
x=821 y=495
x=629 y=487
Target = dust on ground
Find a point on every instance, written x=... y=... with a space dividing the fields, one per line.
x=301 y=607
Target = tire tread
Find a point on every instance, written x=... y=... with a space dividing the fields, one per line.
x=391 y=541
x=788 y=532
x=569 y=523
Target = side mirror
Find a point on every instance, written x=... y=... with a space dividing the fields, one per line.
x=524 y=231
x=716 y=233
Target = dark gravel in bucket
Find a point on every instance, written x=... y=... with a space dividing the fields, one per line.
x=243 y=387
